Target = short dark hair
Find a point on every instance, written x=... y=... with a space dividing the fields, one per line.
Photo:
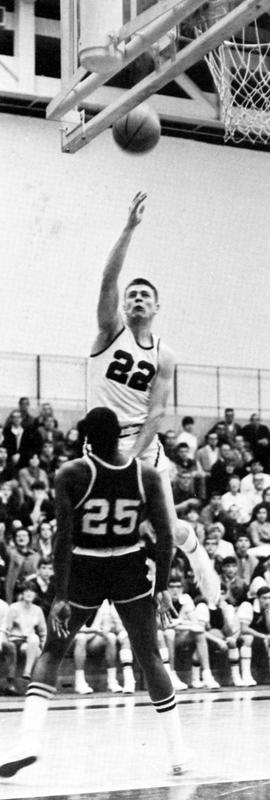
x=187 y=421
x=101 y=429
x=263 y=590
x=229 y=560
x=136 y=281
x=28 y=584
x=44 y=560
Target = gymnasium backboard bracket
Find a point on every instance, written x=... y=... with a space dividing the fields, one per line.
x=140 y=35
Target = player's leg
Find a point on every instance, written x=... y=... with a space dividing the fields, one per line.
x=186 y=539
x=139 y=619
x=40 y=691
x=171 y=641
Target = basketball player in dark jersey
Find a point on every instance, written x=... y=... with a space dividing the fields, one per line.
x=100 y=500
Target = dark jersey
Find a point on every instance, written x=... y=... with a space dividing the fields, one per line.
x=109 y=514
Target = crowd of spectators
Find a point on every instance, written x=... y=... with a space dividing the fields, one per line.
x=220 y=485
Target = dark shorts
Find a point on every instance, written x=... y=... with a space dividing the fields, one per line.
x=118 y=578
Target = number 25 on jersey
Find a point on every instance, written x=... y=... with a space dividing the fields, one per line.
x=98 y=518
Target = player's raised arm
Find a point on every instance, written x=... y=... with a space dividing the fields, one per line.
x=158 y=514
x=109 y=317
x=161 y=388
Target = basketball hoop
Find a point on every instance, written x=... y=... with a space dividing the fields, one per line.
x=241 y=74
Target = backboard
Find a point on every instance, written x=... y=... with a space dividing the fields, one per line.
x=138 y=53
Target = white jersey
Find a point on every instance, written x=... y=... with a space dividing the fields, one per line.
x=121 y=378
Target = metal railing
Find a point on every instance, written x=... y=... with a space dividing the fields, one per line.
x=200 y=389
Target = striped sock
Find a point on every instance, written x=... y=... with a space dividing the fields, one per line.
x=169 y=717
x=37 y=700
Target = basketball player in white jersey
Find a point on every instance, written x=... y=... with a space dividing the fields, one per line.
x=131 y=373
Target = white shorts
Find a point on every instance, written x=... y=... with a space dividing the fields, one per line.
x=155 y=456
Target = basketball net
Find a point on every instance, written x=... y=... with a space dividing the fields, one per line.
x=241 y=74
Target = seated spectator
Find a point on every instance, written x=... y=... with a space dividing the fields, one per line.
x=211 y=546
x=256 y=495
x=30 y=474
x=192 y=516
x=28 y=419
x=224 y=548
x=220 y=429
x=20 y=442
x=4 y=560
x=10 y=502
x=46 y=410
x=213 y=511
x=26 y=631
x=42 y=581
x=246 y=560
x=247 y=460
x=262 y=571
x=239 y=449
x=185 y=464
x=72 y=447
x=106 y=633
x=258 y=436
x=223 y=627
x=188 y=437
x=232 y=428
x=49 y=432
x=47 y=461
x=22 y=562
x=235 y=589
x=259 y=528
x=44 y=539
x=6 y=472
x=184 y=490
x=168 y=439
x=222 y=471
x=38 y=507
x=209 y=453
x=233 y=528
x=182 y=458
x=247 y=483
x=188 y=630
x=233 y=497
x=6 y=650
x=256 y=622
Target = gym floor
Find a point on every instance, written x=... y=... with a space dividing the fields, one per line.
x=109 y=747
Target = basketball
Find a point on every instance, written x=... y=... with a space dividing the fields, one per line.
x=138 y=131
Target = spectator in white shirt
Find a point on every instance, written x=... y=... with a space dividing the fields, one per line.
x=247 y=483
x=236 y=498
x=188 y=436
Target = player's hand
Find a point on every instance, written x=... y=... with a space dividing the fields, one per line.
x=60 y=616
x=165 y=609
x=136 y=209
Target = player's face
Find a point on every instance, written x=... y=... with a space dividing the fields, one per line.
x=140 y=302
